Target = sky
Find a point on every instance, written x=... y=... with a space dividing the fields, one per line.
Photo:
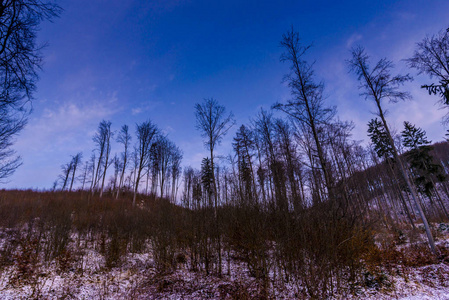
x=130 y=61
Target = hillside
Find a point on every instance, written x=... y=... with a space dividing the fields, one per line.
x=73 y=246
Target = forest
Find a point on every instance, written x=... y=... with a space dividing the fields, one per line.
x=298 y=209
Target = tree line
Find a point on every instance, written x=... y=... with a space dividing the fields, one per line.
x=153 y=160
x=291 y=163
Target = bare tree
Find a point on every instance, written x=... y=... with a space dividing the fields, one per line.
x=288 y=151
x=188 y=175
x=145 y=132
x=117 y=167
x=20 y=59
x=213 y=123
x=378 y=85
x=76 y=160
x=102 y=140
x=86 y=170
x=175 y=167
x=264 y=127
x=432 y=58
x=165 y=161
x=9 y=127
x=66 y=170
x=307 y=105
x=92 y=171
x=161 y=154
x=108 y=134
x=69 y=171
x=124 y=138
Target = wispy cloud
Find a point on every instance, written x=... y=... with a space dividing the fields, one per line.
x=56 y=133
x=146 y=107
x=353 y=39
x=63 y=124
x=136 y=111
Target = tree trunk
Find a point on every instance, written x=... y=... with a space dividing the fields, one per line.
x=409 y=185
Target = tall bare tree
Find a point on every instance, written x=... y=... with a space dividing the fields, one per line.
x=213 y=122
x=66 y=170
x=145 y=132
x=84 y=177
x=20 y=59
x=264 y=125
x=108 y=135
x=102 y=139
x=287 y=149
x=161 y=152
x=307 y=104
x=175 y=170
x=76 y=160
x=124 y=138
x=378 y=85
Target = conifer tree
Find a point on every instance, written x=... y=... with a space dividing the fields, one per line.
x=425 y=170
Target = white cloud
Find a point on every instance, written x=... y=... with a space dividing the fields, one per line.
x=167 y=129
x=63 y=123
x=148 y=106
x=56 y=133
x=136 y=111
x=353 y=39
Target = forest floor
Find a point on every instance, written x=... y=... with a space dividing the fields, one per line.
x=136 y=278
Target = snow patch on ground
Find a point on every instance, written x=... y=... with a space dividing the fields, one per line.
x=136 y=277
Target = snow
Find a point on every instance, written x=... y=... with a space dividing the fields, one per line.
x=429 y=282
x=137 y=278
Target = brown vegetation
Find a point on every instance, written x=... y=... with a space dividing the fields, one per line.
x=321 y=250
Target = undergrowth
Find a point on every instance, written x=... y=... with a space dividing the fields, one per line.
x=322 y=250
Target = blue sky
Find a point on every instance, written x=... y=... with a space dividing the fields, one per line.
x=129 y=61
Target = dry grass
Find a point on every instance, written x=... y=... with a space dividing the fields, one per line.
x=323 y=250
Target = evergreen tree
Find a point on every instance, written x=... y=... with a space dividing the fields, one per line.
x=379 y=138
x=420 y=160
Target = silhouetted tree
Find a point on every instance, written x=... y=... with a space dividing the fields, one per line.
x=76 y=160
x=175 y=169
x=20 y=59
x=117 y=167
x=102 y=140
x=84 y=177
x=163 y=155
x=66 y=170
x=145 y=132
x=214 y=123
x=188 y=175
x=123 y=138
x=287 y=149
x=264 y=126
x=432 y=58
x=307 y=105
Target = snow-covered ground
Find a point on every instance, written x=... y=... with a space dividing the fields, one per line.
x=136 y=278
x=429 y=282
